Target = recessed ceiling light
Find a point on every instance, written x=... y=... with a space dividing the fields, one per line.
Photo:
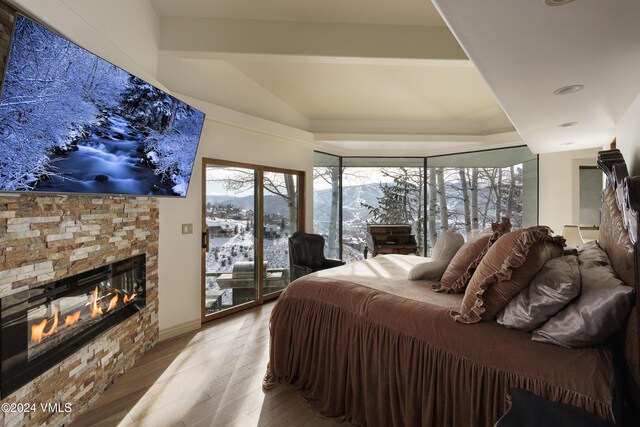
x=556 y=2
x=568 y=89
x=568 y=143
x=568 y=124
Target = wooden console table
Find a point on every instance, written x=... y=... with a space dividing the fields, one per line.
x=391 y=239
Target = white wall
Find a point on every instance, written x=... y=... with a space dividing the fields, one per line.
x=132 y=26
x=559 y=182
x=180 y=255
x=628 y=137
x=123 y=32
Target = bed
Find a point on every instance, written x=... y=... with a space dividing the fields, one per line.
x=363 y=344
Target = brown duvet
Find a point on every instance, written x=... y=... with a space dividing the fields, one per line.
x=363 y=344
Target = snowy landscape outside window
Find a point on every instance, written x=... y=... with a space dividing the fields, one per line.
x=469 y=191
x=234 y=196
x=465 y=192
x=380 y=191
x=326 y=202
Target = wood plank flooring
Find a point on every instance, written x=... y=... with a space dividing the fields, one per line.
x=212 y=377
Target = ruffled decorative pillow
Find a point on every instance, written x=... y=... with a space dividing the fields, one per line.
x=461 y=268
x=505 y=270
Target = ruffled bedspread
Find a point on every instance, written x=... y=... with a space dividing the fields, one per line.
x=363 y=344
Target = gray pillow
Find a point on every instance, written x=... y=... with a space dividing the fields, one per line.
x=555 y=285
x=600 y=311
x=445 y=248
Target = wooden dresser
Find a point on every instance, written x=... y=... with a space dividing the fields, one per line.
x=391 y=239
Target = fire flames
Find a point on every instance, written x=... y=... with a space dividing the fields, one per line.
x=37 y=331
x=96 y=308
x=72 y=318
x=128 y=298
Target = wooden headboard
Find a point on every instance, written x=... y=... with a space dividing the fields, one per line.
x=619 y=238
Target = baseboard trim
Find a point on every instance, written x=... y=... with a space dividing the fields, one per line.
x=180 y=329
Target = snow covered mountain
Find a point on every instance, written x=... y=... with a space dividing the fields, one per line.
x=352 y=199
x=272 y=204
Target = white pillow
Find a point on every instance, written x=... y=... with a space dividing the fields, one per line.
x=444 y=250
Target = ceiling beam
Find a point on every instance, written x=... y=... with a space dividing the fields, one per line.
x=510 y=137
x=207 y=38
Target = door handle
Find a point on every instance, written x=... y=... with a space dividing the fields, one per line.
x=205 y=240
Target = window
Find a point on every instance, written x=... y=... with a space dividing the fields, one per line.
x=463 y=192
x=590 y=194
x=380 y=191
x=249 y=212
x=326 y=202
x=469 y=191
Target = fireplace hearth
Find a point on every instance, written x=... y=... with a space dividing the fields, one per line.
x=41 y=326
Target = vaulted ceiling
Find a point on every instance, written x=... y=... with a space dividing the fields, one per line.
x=383 y=77
x=368 y=75
x=384 y=12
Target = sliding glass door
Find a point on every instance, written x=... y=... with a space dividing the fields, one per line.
x=230 y=240
x=280 y=220
x=249 y=212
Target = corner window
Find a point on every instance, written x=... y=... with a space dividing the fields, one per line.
x=463 y=192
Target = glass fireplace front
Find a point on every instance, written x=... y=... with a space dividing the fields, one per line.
x=43 y=325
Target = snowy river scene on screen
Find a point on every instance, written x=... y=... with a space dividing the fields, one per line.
x=110 y=160
x=73 y=122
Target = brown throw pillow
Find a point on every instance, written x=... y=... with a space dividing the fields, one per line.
x=461 y=268
x=505 y=270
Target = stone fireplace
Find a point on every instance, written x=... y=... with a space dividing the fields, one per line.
x=56 y=253
x=48 y=238
x=42 y=325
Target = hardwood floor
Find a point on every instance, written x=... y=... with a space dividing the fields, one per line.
x=209 y=378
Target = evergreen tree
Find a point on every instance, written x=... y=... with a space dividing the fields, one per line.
x=401 y=201
x=147 y=106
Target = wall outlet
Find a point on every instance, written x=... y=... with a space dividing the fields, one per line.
x=187 y=228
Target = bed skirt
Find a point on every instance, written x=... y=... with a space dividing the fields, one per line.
x=350 y=365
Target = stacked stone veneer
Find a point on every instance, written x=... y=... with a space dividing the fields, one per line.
x=45 y=238
x=6 y=28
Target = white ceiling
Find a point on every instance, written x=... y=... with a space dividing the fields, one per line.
x=526 y=50
x=380 y=92
x=380 y=76
x=397 y=12
x=369 y=75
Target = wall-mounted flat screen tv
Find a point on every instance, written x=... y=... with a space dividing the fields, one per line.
x=71 y=122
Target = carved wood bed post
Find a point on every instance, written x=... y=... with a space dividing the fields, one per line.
x=627 y=196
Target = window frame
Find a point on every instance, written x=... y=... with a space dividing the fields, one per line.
x=259 y=248
x=425 y=166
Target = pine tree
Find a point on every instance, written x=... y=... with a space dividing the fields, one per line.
x=147 y=106
x=401 y=201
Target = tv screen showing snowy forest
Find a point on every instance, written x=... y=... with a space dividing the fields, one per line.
x=72 y=122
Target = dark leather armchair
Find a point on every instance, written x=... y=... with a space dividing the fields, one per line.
x=306 y=254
